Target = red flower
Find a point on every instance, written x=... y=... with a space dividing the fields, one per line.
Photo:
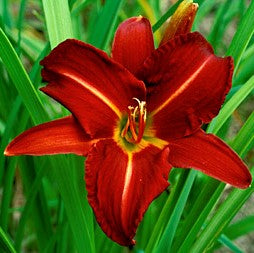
x=135 y=115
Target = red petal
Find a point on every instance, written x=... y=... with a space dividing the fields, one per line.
x=56 y=137
x=121 y=186
x=91 y=85
x=133 y=43
x=207 y=153
x=187 y=85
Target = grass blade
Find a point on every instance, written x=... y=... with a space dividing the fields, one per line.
x=40 y=212
x=203 y=10
x=195 y=220
x=81 y=222
x=31 y=195
x=166 y=211
x=103 y=27
x=169 y=232
x=21 y=79
x=7 y=193
x=213 y=188
x=244 y=140
x=239 y=196
x=58 y=21
x=229 y=244
x=221 y=219
x=240 y=228
x=231 y=105
x=242 y=36
x=164 y=18
x=7 y=133
x=5 y=243
x=217 y=30
x=20 y=22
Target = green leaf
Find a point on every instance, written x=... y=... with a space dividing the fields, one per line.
x=169 y=232
x=31 y=195
x=242 y=36
x=221 y=219
x=213 y=189
x=5 y=243
x=20 y=22
x=73 y=196
x=40 y=212
x=7 y=193
x=240 y=228
x=235 y=200
x=58 y=21
x=231 y=105
x=203 y=10
x=164 y=18
x=245 y=71
x=167 y=210
x=244 y=140
x=104 y=24
x=229 y=244
x=7 y=19
x=218 y=29
x=80 y=7
x=199 y=212
x=7 y=133
x=29 y=46
x=21 y=80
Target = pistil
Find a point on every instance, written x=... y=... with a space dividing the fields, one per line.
x=135 y=126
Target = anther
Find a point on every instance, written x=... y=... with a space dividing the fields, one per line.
x=135 y=126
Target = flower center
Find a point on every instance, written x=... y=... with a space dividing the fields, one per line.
x=135 y=125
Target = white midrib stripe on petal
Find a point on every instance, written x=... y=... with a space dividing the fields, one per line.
x=94 y=91
x=183 y=87
x=127 y=181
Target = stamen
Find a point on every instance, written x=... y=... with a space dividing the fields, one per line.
x=132 y=124
x=136 y=122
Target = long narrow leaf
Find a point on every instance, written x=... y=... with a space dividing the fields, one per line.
x=58 y=21
x=242 y=35
x=167 y=238
x=7 y=193
x=80 y=223
x=240 y=228
x=229 y=244
x=192 y=228
x=245 y=137
x=164 y=18
x=239 y=196
x=5 y=243
x=166 y=211
x=7 y=133
x=34 y=188
x=231 y=105
x=21 y=79
x=221 y=219
x=103 y=27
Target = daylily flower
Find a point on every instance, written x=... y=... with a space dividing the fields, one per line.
x=181 y=21
x=135 y=115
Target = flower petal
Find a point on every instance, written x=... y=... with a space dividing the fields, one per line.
x=56 y=137
x=186 y=83
x=181 y=21
x=133 y=43
x=121 y=186
x=207 y=153
x=91 y=85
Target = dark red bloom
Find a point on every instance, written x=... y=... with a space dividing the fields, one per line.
x=135 y=115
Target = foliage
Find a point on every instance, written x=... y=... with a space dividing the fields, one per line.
x=43 y=200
